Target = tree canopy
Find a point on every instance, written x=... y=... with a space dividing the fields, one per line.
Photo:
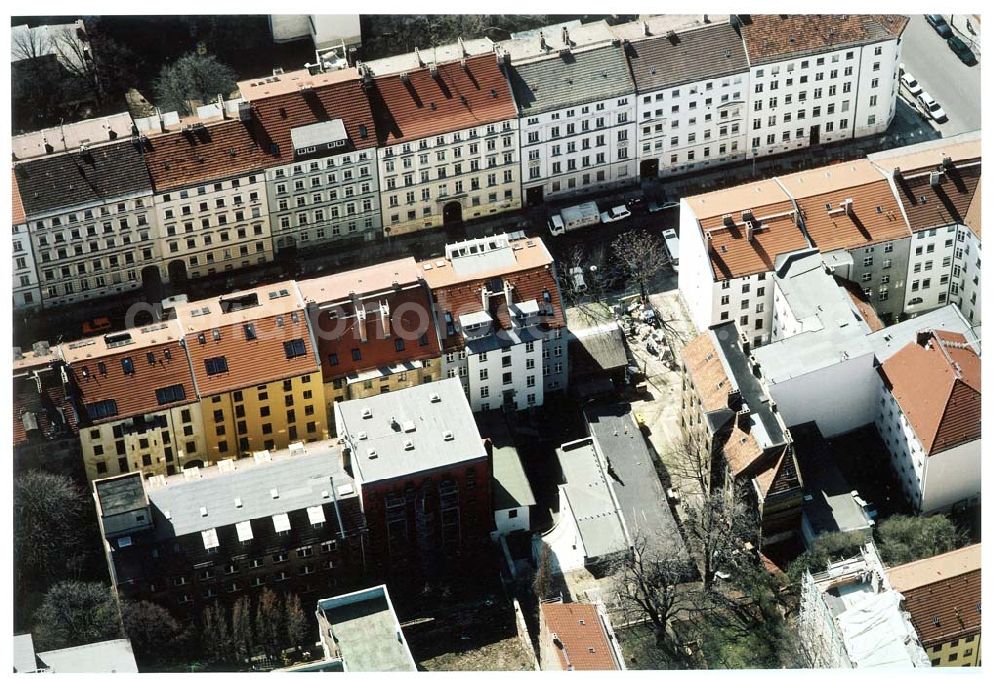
x=901 y=538
x=192 y=77
x=47 y=513
x=75 y=613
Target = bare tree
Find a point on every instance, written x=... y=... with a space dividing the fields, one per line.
x=269 y=623
x=242 y=630
x=654 y=587
x=641 y=256
x=216 y=641
x=29 y=44
x=691 y=460
x=718 y=530
x=542 y=584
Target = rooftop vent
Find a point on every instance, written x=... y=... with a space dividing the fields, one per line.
x=449 y=436
x=435 y=397
x=274 y=494
x=409 y=426
x=125 y=541
x=408 y=444
x=372 y=454
x=203 y=511
x=238 y=502
x=366 y=414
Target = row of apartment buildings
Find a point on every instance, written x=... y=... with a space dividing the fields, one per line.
x=261 y=369
x=904 y=225
x=434 y=137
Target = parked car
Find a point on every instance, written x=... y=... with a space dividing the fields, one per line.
x=938 y=23
x=96 y=326
x=579 y=283
x=662 y=204
x=959 y=47
x=615 y=214
x=932 y=108
x=909 y=82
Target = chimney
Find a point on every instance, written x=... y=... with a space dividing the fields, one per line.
x=485 y=297
x=947 y=163
x=434 y=69
x=40 y=348
x=541 y=41
x=897 y=174
x=935 y=178
x=222 y=105
x=645 y=28
x=565 y=37
x=508 y=292
x=747 y=216
x=386 y=316
x=159 y=116
x=420 y=62
x=848 y=206
x=404 y=77
x=461 y=48
x=362 y=316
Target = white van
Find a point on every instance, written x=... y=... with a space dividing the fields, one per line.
x=673 y=245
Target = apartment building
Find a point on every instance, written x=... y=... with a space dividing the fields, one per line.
x=691 y=98
x=851 y=617
x=424 y=476
x=374 y=329
x=850 y=214
x=500 y=320
x=256 y=369
x=323 y=188
x=578 y=128
x=730 y=241
x=137 y=402
x=943 y=595
x=24 y=276
x=448 y=148
x=288 y=520
x=211 y=199
x=729 y=418
x=70 y=136
x=935 y=184
x=817 y=79
x=930 y=419
x=91 y=218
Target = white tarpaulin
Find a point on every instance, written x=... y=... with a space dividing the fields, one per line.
x=877 y=635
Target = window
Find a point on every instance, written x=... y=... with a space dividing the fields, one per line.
x=356 y=354
x=294 y=348
x=214 y=366
x=170 y=394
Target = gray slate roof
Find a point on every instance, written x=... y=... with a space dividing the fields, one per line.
x=559 y=82
x=120 y=494
x=712 y=51
x=592 y=502
x=101 y=174
x=385 y=431
x=301 y=481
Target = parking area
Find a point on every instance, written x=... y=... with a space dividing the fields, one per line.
x=954 y=85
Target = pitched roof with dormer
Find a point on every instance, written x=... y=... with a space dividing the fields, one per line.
x=439 y=99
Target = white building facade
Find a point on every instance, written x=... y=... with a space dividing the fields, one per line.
x=27 y=294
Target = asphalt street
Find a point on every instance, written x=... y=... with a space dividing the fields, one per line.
x=954 y=85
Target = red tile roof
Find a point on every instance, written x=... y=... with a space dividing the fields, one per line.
x=942 y=594
x=253 y=339
x=774 y=37
x=928 y=206
x=937 y=382
x=410 y=316
x=780 y=476
x=974 y=217
x=874 y=216
x=708 y=375
x=155 y=357
x=48 y=403
x=461 y=96
x=346 y=101
x=582 y=643
x=466 y=298
x=207 y=154
x=17 y=207
x=733 y=254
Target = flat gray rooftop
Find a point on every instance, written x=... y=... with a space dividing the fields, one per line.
x=120 y=494
x=888 y=341
x=105 y=657
x=308 y=479
x=591 y=499
x=833 y=330
x=510 y=484
x=367 y=632
x=832 y=508
x=633 y=477
x=435 y=418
